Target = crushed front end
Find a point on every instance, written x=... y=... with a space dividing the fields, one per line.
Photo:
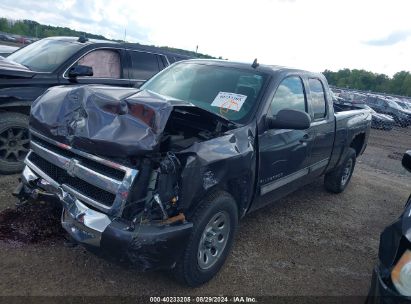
x=128 y=165
x=99 y=210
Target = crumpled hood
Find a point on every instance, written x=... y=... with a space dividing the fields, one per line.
x=104 y=120
x=14 y=70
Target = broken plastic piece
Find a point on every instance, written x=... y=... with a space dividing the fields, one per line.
x=158 y=201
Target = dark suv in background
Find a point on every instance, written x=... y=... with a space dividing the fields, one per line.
x=29 y=72
x=387 y=106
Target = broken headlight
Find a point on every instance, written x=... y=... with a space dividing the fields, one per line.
x=401 y=274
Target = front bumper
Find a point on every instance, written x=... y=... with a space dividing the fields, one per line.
x=148 y=246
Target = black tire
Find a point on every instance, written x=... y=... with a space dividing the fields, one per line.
x=14 y=141
x=188 y=270
x=399 y=122
x=337 y=180
x=388 y=128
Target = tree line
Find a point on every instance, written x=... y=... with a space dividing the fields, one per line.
x=399 y=84
x=30 y=28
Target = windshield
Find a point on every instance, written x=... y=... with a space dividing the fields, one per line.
x=394 y=105
x=45 y=55
x=230 y=92
x=405 y=105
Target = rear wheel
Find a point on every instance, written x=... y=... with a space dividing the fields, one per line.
x=14 y=141
x=215 y=223
x=337 y=180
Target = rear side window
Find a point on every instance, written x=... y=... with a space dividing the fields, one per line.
x=105 y=63
x=317 y=98
x=172 y=59
x=289 y=95
x=381 y=103
x=163 y=61
x=143 y=65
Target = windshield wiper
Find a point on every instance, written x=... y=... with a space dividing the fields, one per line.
x=26 y=66
x=17 y=63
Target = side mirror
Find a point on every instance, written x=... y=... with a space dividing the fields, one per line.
x=80 y=70
x=289 y=119
x=406 y=160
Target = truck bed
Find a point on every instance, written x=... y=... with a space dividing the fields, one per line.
x=350 y=123
x=338 y=108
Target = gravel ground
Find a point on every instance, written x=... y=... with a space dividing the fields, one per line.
x=310 y=243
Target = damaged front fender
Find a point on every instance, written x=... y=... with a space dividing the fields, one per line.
x=227 y=162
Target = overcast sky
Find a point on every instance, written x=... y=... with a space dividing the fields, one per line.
x=309 y=34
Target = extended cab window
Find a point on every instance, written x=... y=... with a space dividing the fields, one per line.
x=105 y=63
x=289 y=95
x=318 y=100
x=162 y=60
x=143 y=65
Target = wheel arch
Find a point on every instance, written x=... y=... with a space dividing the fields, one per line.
x=358 y=143
x=231 y=188
x=16 y=107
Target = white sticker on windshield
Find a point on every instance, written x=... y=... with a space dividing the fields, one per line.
x=229 y=101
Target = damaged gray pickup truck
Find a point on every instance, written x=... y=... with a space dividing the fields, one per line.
x=161 y=175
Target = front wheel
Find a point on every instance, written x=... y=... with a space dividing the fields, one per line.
x=337 y=180
x=215 y=223
x=14 y=141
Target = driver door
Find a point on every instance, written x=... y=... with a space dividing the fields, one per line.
x=284 y=154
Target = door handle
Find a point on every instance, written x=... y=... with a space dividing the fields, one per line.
x=306 y=138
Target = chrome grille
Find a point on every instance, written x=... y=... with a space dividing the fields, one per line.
x=112 y=172
x=95 y=181
x=61 y=177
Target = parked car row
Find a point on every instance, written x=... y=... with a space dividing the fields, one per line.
x=386 y=111
x=390 y=106
x=16 y=38
x=379 y=121
x=7 y=38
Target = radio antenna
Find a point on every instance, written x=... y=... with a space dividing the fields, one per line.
x=255 y=64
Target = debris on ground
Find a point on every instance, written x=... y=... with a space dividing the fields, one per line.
x=33 y=222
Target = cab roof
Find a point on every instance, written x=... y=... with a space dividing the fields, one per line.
x=264 y=68
x=132 y=46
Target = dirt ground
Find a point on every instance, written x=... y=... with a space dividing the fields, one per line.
x=310 y=243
